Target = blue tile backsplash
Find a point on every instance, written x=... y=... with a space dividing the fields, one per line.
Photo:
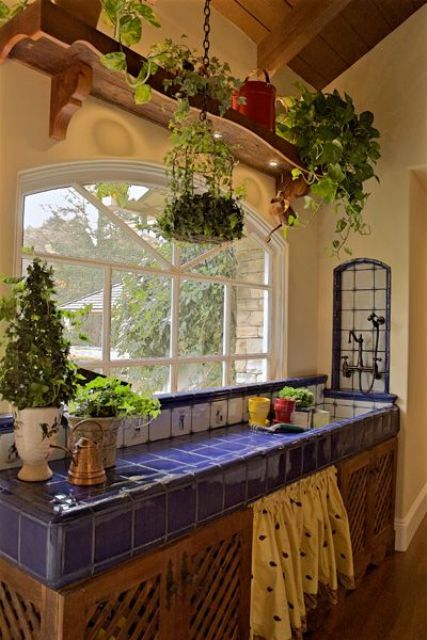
x=361 y=287
x=161 y=489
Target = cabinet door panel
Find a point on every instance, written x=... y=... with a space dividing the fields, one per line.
x=383 y=491
x=354 y=481
x=216 y=573
x=135 y=603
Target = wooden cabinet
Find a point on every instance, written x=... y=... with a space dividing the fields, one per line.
x=197 y=588
x=367 y=482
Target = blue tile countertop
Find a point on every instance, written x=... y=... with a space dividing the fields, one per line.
x=160 y=491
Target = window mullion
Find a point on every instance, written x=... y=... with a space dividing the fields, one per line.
x=226 y=373
x=174 y=331
x=106 y=318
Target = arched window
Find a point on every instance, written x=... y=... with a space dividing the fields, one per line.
x=167 y=316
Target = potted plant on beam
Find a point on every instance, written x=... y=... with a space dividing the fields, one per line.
x=339 y=149
x=36 y=375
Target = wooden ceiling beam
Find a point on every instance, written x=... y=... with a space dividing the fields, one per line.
x=296 y=31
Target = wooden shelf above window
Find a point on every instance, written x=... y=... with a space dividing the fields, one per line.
x=50 y=40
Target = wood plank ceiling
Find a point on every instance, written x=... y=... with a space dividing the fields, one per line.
x=318 y=39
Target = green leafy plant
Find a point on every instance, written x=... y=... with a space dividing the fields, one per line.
x=339 y=149
x=7 y=13
x=190 y=77
x=110 y=398
x=35 y=370
x=127 y=18
x=187 y=74
x=304 y=397
x=206 y=212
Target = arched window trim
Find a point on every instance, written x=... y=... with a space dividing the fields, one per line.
x=153 y=175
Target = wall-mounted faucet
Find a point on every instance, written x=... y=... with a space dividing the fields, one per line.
x=360 y=367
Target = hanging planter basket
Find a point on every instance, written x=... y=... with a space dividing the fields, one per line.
x=202 y=206
x=202 y=217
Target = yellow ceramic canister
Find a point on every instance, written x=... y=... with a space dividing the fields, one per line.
x=259 y=408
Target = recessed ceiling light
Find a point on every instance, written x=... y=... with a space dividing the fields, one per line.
x=273 y=164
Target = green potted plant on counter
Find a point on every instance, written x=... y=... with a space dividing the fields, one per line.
x=290 y=399
x=339 y=149
x=101 y=406
x=36 y=375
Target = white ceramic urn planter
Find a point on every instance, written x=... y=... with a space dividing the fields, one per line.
x=35 y=430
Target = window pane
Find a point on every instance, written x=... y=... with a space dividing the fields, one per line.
x=201 y=318
x=139 y=206
x=248 y=330
x=189 y=250
x=62 y=222
x=79 y=287
x=149 y=379
x=247 y=371
x=199 y=375
x=141 y=315
x=244 y=260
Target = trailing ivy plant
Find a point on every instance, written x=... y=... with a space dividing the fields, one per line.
x=339 y=149
x=127 y=18
x=208 y=211
x=211 y=213
x=7 y=13
x=35 y=370
x=190 y=77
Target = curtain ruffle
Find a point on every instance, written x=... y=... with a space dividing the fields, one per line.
x=301 y=548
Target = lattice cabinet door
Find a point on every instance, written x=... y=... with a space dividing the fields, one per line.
x=368 y=484
x=136 y=603
x=215 y=580
x=383 y=478
x=355 y=481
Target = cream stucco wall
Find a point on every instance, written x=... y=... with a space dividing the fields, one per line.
x=99 y=131
x=391 y=81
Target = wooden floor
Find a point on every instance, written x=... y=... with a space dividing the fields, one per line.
x=391 y=602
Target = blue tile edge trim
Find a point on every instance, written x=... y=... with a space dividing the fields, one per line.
x=170 y=400
x=357 y=395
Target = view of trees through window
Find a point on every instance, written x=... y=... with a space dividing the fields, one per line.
x=165 y=316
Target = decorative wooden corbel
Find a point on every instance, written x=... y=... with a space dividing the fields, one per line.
x=68 y=90
x=288 y=190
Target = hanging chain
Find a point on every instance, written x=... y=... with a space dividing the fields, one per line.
x=206 y=60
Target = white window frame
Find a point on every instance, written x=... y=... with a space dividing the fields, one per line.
x=74 y=174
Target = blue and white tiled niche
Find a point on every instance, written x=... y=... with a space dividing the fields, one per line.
x=361 y=286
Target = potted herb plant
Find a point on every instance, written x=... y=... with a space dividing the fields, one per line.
x=36 y=375
x=99 y=408
x=339 y=149
x=288 y=399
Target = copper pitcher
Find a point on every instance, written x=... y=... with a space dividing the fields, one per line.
x=86 y=468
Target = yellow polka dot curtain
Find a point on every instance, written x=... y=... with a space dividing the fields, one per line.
x=301 y=549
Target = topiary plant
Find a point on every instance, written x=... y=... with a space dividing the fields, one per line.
x=339 y=149
x=35 y=370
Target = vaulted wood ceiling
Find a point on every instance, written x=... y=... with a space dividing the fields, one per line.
x=318 y=39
